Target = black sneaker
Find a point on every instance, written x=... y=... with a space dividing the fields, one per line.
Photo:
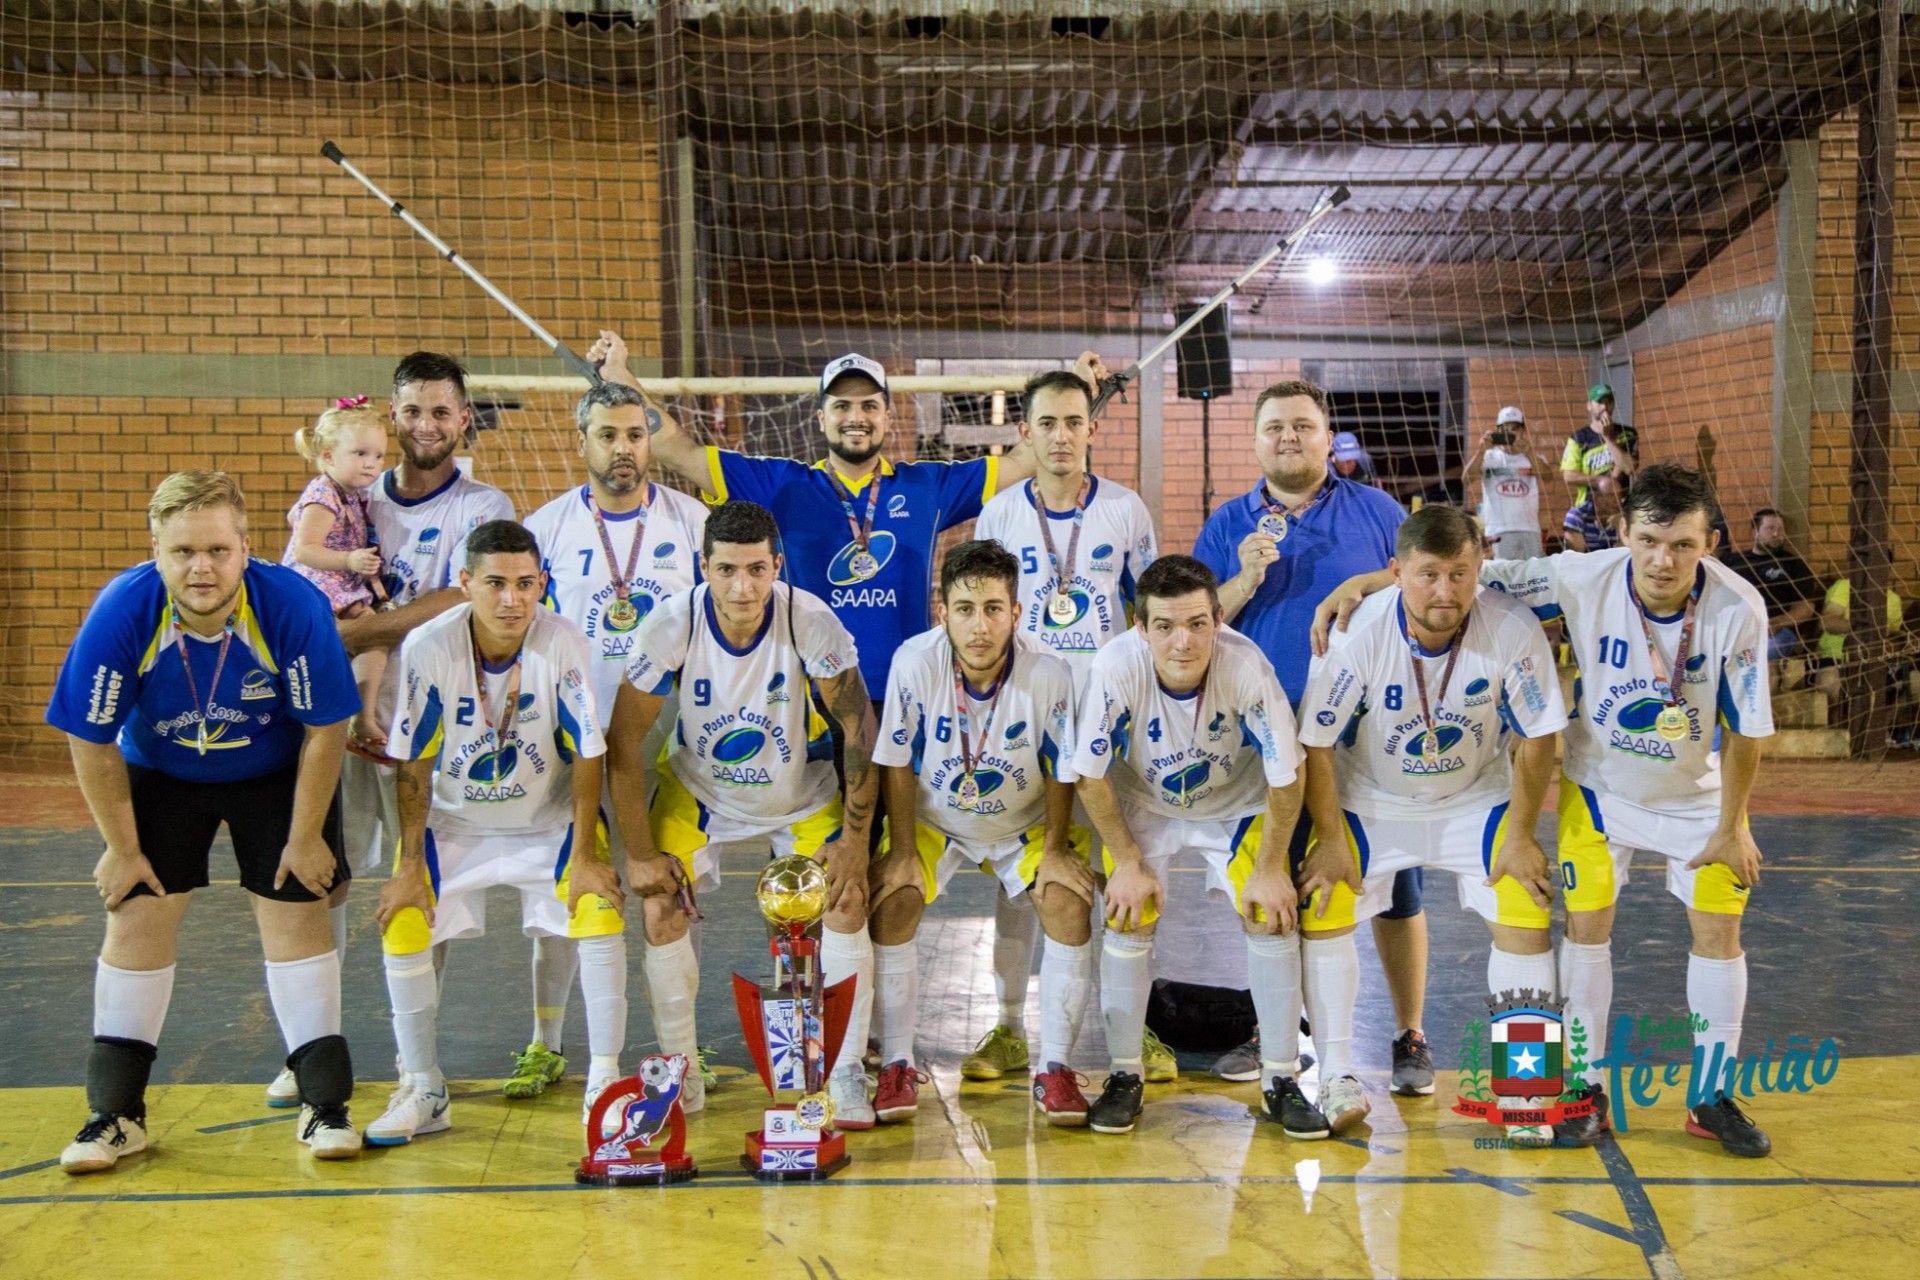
x=1723 y=1121
x=1412 y=1066
x=1584 y=1131
x=1118 y=1105
x=1288 y=1107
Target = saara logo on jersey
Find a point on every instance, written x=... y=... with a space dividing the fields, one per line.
x=524 y=708
x=737 y=746
x=988 y=780
x=777 y=688
x=663 y=553
x=1413 y=755
x=1184 y=784
x=840 y=568
x=1101 y=561
x=1218 y=725
x=1081 y=603
x=258 y=684
x=492 y=768
x=1479 y=692
x=424 y=544
x=1014 y=730
x=897 y=506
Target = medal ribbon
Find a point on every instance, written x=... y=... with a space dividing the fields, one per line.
x=1299 y=513
x=1678 y=675
x=960 y=700
x=1454 y=646
x=219 y=665
x=622 y=588
x=1062 y=571
x=1192 y=749
x=862 y=533
x=510 y=710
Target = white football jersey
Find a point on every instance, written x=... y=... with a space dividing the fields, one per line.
x=1510 y=493
x=749 y=742
x=422 y=542
x=580 y=582
x=478 y=786
x=1613 y=745
x=1361 y=700
x=1206 y=756
x=1116 y=543
x=1030 y=740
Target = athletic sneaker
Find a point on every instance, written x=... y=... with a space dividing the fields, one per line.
x=102 y=1140
x=328 y=1133
x=899 y=1094
x=1412 y=1066
x=693 y=1090
x=412 y=1112
x=597 y=1084
x=1118 y=1106
x=1723 y=1120
x=1242 y=1064
x=1161 y=1066
x=1584 y=1131
x=998 y=1052
x=285 y=1090
x=851 y=1107
x=1287 y=1106
x=534 y=1068
x=1343 y=1102
x=702 y=1058
x=1057 y=1096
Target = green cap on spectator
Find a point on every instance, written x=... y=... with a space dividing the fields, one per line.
x=1599 y=391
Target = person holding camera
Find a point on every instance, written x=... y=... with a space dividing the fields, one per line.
x=1507 y=466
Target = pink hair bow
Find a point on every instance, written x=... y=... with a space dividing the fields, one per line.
x=351 y=402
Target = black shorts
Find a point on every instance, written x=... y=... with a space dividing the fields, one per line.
x=177 y=820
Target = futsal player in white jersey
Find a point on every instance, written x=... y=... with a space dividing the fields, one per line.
x=1186 y=743
x=499 y=784
x=1078 y=563
x=749 y=758
x=1641 y=770
x=976 y=754
x=1408 y=721
x=612 y=550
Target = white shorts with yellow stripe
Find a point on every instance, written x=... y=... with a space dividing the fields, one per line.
x=1381 y=848
x=462 y=866
x=1598 y=836
x=1014 y=862
x=688 y=830
x=1229 y=846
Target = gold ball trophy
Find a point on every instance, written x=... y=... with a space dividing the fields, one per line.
x=794 y=1029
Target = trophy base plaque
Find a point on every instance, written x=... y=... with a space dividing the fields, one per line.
x=649 y=1146
x=781 y=1151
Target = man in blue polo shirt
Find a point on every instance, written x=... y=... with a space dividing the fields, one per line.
x=1278 y=551
x=208 y=687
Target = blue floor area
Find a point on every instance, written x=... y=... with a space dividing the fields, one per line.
x=1831 y=950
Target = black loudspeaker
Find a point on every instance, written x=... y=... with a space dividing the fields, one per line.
x=1205 y=359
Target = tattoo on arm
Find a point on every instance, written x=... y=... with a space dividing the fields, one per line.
x=847 y=702
x=654 y=419
x=413 y=795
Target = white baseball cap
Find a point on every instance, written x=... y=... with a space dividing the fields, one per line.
x=1510 y=414
x=853 y=362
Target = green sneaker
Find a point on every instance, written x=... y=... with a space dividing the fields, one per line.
x=708 y=1076
x=998 y=1052
x=1161 y=1066
x=533 y=1071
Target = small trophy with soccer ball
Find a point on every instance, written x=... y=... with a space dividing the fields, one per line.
x=639 y=1110
x=794 y=1030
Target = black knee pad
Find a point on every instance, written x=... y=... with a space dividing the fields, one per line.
x=117 y=1072
x=324 y=1070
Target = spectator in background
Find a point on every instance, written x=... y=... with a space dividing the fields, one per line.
x=1351 y=462
x=1507 y=466
x=1783 y=580
x=1598 y=463
x=1836 y=625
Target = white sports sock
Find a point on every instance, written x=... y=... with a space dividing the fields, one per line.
x=440 y=953
x=673 y=983
x=131 y=1004
x=603 y=984
x=555 y=961
x=1126 y=983
x=1508 y=971
x=695 y=928
x=1586 y=981
x=337 y=919
x=845 y=955
x=896 y=981
x=1066 y=980
x=1717 y=992
x=1273 y=973
x=1332 y=967
x=306 y=997
x=415 y=995
x=1015 y=926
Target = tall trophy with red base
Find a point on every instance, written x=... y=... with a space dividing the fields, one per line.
x=636 y=1132
x=794 y=1029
